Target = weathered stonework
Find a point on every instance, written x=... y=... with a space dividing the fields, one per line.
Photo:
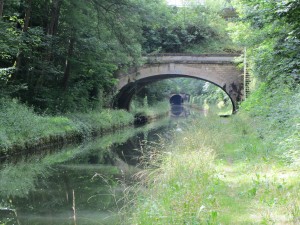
x=217 y=69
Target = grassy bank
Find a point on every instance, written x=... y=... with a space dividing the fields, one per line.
x=21 y=128
x=238 y=170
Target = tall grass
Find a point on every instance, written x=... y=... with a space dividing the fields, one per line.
x=239 y=170
x=101 y=121
x=21 y=127
x=19 y=124
x=177 y=192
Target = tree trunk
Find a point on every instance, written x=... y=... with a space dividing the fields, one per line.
x=1 y=8
x=66 y=77
x=27 y=14
x=55 y=11
x=18 y=61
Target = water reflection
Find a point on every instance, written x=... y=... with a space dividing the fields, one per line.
x=179 y=111
x=82 y=184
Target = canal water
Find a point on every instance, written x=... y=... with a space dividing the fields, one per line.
x=81 y=184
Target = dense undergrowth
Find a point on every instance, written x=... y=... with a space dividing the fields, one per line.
x=238 y=170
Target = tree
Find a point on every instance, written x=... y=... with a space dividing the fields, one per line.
x=1 y=8
x=66 y=52
x=201 y=30
x=269 y=31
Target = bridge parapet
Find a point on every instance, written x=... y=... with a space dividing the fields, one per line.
x=191 y=59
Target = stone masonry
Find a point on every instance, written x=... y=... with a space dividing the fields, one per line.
x=217 y=69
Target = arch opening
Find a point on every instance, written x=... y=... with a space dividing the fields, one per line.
x=176 y=99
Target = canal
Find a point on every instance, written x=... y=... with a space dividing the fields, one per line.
x=82 y=184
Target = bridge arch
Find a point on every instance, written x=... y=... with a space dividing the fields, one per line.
x=217 y=69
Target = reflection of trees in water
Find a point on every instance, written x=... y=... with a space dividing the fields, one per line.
x=42 y=186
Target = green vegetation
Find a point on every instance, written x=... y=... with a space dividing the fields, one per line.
x=270 y=32
x=151 y=112
x=62 y=56
x=243 y=169
x=195 y=28
x=62 y=170
x=240 y=170
x=24 y=174
x=21 y=128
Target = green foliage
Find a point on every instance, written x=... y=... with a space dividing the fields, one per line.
x=280 y=113
x=195 y=28
x=65 y=60
x=270 y=31
x=177 y=191
x=21 y=127
x=154 y=92
x=271 y=36
x=9 y=41
x=19 y=124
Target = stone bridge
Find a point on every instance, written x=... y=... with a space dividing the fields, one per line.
x=218 y=69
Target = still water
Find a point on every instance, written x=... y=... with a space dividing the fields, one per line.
x=81 y=184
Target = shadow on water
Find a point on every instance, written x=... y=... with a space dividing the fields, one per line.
x=81 y=184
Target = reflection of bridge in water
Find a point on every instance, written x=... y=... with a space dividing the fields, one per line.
x=182 y=111
x=179 y=111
